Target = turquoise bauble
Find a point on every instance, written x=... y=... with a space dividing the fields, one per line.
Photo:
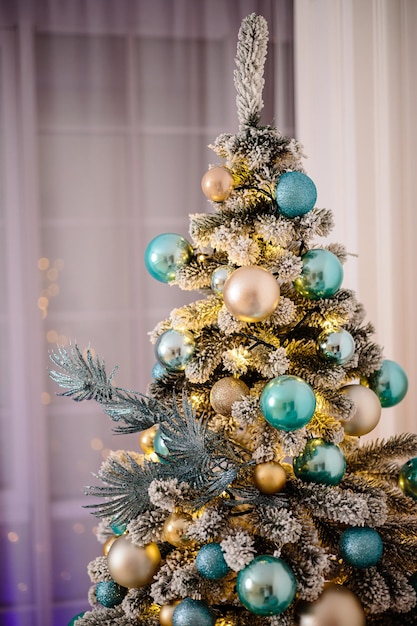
x=361 y=546
x=158 y=371
x=287 y=403
x=413 y=581
x=118 y=529
x=296 y=194
x=219 y=277
x=191 y=612
x=408 y=478
x=320 y=462
x=321 y=276
x=390 y=383
x=174 y=349
x=210 y=562
x=109 y=593
x=75 y=618
x=159 y=445
x=266 y=586
x=337 y=346
x=165 y=254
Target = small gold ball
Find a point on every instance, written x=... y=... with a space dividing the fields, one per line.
x=108 y=544
x=225 y=392
x=269 y=477
x=166 y=612
x=132 y=566
x=146 y=438
x=175 y=529
x=217 y=184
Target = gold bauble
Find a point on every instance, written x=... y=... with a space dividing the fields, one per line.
x=225 y=392
x=251 y=293
x=337 y=606
x=132 y=566
x=368 y=410
x=166 y=612
x=146 y=438
x=108 y=544
x=175 y=529
x=217 y=184
x=269 y=477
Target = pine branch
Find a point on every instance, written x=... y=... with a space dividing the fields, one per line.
x=371 y=456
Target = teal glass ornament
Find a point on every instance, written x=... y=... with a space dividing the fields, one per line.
x=165 y=254
x=390 y=383
x=320 y=462
x=159 y=445
x=118 y=529
x=174 y=349
x=191 y=612
x=110 y=593
x=413 y=581
x=337 y=346
x=295 y=193
x=210 y=562
x=287 y=403
x=266 y=586
x=321 y=276
x=158 y=371
x=75 y=618
x=219 y=277
x=361 y=546
x=408 y=478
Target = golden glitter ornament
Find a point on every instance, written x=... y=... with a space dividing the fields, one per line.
x=225 y=392
x=367 y=413
x=146 y=438
x=166 y=612
x=336 y=606
x=175 y=529
x=269 y=477
x=217 y=184
x=251 y=293
x=132 y=566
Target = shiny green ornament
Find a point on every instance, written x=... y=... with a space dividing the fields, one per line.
x=165 y=254
x=210 y=562
x=75 y=618
x=266 y=586
x=287 y=403
x=390 y=383
x=337 y=346
x=191 y=612
x=320 y=462
x=174 y=349
x=118 y=529
x=408 y=478
x=321 y=276
x=219 y=277
x=159 y=445
x=361 y=546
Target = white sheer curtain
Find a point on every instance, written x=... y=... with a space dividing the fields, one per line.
x=106 y=109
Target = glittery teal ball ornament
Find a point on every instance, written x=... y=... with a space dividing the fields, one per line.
x=390 y=383
x=408 y=478
x=174 y=349
x=361 y=546
x=321 y=276
x=320 y=462
x=337 y=346
x=295 y=193
x=165 y=254
x=210 y=562
x=159 y=445
x=110 y=594
x=118 y=529
x=219 y=277
x=75 y=618
x=191 y=612
x=287 y=403
x=266 y=586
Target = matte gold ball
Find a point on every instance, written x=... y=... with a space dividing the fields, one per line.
x=251 y=293
x=166 y=612
x=337 y=606
x=175 y=529
x=225 y=392
x=217 y=184
x=130 y=565
x=108 y=544
x=269 y=477
x=368 y=410
x=146 y=438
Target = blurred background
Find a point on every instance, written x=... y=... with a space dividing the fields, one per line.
x=106 y=113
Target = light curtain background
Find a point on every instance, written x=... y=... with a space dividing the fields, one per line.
x=106 y=111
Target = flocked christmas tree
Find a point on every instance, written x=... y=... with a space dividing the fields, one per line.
x=254 y=501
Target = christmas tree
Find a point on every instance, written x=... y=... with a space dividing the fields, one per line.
x=254 y=500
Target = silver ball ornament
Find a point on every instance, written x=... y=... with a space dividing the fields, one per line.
x=251 y=293
x=174 y=349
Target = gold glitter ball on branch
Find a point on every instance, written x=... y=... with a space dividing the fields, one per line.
x=225 y=392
